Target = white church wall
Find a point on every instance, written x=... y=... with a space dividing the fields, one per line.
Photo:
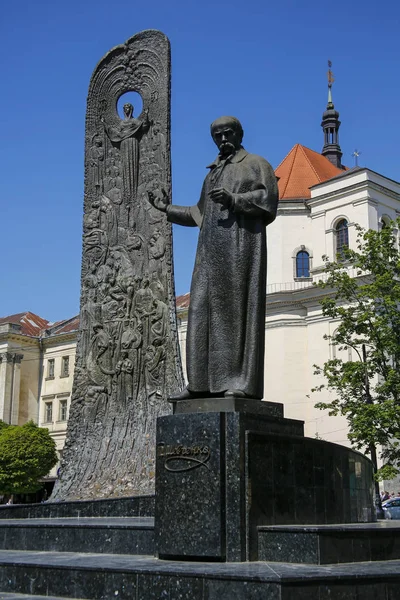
x=288 y=232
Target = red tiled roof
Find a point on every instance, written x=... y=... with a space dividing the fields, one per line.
x=65 y=326
x=183 y=301
x=301 y=169
x=31 y=324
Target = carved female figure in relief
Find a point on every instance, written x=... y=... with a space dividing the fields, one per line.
x=126 y=135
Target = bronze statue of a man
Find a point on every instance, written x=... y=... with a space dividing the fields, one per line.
x=226 y=325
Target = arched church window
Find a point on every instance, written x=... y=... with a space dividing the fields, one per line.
x=302 y=264
x=385 y=221
x=342 y=236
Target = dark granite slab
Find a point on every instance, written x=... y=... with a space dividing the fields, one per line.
x=325 y=544
x=123 y=535
x=220 y=475
x=134 y=506
x=11 y=596
x=305 y=481
x=246 y=405
x=190 y=487
x=102 y=577
x=201 y=471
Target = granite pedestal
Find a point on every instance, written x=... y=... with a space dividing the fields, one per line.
x=222 y=473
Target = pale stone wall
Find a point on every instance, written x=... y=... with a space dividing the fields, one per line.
x=19 y=363
x=56 y=389
x=29 y=385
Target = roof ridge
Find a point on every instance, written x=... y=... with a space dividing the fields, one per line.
x=294 y=151
x=282 y=161
x=309 y=161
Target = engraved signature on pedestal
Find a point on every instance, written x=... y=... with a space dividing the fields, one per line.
x=181 y=458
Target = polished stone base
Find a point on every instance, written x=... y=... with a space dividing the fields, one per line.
x=249 y=405
x=105 y=576
x=101 y=564
x=132 y=506
x=108 y=535
x=330 y=544
x=222 y=474
x=232 y=486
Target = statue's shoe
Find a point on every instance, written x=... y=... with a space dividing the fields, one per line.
x=234 y=394
x=185 y=394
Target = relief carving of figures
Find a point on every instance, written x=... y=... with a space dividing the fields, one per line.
x=99 y=350
x=135 y=245
x=121 y=378
x=159 y=321
x=157 y=247
x=89 y=308
x=156 y=287
x=154 y=365
x=97 y=162
x=107 y=218
x=126 y=135
x=158 y=146
x=142 y=307
x=127 y=357
x=131 y=342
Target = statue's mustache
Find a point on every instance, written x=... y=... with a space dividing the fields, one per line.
x=227 y=146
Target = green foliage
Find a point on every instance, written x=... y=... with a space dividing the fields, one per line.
x=363 y=296
x=27 y=453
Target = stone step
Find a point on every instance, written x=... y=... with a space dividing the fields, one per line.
x=12 y=596
x=133 y=506
x=330 y=544
x=122 y=577
x=118 y=535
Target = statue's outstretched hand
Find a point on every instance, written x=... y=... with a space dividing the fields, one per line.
x=160 y=203
x=222 y=196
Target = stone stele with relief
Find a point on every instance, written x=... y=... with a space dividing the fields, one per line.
x=128 y=357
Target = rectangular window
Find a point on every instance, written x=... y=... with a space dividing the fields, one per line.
x=48 y=414
x=63 y=410
x=65 y=366
x=50 y=368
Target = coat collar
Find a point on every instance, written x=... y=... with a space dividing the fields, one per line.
x=237 y=157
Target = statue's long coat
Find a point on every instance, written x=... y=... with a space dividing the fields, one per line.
x=226 y=326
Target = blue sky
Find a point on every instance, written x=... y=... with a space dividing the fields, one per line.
x=263 y=62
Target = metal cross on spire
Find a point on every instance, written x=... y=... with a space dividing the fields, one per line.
x=331 y=79
x=355 y=155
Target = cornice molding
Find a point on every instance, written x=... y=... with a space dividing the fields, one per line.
x=355 y=187
x=282 y=323
x=59 y=339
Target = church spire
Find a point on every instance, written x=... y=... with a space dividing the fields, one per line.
x=330 y=125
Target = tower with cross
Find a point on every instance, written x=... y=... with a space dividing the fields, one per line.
x=330 y=126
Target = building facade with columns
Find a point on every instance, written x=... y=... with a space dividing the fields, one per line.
x=36 y=372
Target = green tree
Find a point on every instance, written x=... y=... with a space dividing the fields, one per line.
x=363 y=295
x=27 y=453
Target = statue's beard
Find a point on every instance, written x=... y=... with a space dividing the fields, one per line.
x=226 y=149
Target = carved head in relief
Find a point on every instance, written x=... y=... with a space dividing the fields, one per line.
x=128 y=110
x=227 y=133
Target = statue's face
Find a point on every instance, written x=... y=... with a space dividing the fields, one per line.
x=226 y=136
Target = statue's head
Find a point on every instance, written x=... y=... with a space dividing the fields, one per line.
x=128 y=110
x=227 y=133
